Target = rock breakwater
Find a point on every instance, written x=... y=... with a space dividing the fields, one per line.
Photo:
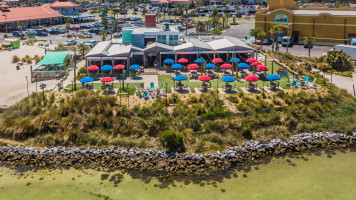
x=161 y=161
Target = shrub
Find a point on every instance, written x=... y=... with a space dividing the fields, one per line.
x=246 y=130
x=15 y=59
x=29 y=61
x=232 y=23
x=171 y=140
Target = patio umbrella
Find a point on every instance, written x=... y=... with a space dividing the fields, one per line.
x=86 y=79
x=243 y=66
x=251 y=60
x=226 y=66
x=177 y=66
x=228 y=79
x=199 y=60
x=193 y=67
x=204 y=78
x=106 y=68
x=119 y=67
x=168 y=61
x=262 y=68
x=135 y=67
x=251 y=78
x=217 y=60
x=256 y=63
x=107 y=79
x=93 y=68
x=183 y=60
x=209 y=65
x=234 y=60
x=273 y=77
x=180 y=78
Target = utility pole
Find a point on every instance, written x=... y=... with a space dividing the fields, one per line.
x=28 y=94
x=75 y=70
x=5 y=25
x=167 y=94
x=128 y=96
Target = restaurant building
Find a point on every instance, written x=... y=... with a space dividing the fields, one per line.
x=324 y=24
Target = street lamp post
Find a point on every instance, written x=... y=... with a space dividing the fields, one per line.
x=43 y=86
x=28 y=93
x=5 y=25
x=287 y=39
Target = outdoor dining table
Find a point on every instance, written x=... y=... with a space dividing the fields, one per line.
x=204 y=87
x=180 y=86
x=228 y=88
x=252 y=86
x=211 y=74
x=273 y=85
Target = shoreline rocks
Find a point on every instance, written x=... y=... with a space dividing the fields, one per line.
x=162 y=161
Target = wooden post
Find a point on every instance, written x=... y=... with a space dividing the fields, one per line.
x=266 y=60
x=354 y=90
x=272 y=66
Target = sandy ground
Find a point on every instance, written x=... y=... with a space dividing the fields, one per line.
x=13 y=82
x=344 y=82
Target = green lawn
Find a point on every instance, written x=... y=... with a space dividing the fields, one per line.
x=97 y=86
x=163 y=79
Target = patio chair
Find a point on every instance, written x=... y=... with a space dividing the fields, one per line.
x=306 y=79
x=163 y=92
x=295 y=84
x=312 y=85
x=152 y=86
x=146 y=95
x=291 y=80
x=136 y=90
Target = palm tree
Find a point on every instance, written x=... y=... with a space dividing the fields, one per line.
x=104 y=21
x=254 y=32
x=164 y=10
x=185 y=23
x=103 y=34
x=115 y=23
x=309 y=40
x=200 y=26
x=275 y=31
x=83 y=48
x=227 y=16
x=223 y=18
x=68 y=21
x=21 y=24
x=215 y=21
x=78 y=19
x=237 y=9
x=261 y=36
x=207 y=24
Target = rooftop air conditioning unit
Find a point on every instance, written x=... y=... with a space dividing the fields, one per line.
x=127 y=43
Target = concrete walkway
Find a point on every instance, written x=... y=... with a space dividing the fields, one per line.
x=344 y=82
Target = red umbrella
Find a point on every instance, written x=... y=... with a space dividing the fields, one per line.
x=256 y=63
x=193 y=67
x=93 y=68
x=251 y=78
x=107 y=79
x=217 y=60
x=204 y=78
x=183 y=60
x=226 y=66
x=251 y=60
x=119 y=67
x=262 y=68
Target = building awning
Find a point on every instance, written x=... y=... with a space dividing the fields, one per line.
x=54 y=57
x=80 y=16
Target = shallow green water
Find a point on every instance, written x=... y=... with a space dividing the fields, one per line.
x=331 y=175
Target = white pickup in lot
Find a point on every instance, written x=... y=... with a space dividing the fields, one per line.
x=350 y=50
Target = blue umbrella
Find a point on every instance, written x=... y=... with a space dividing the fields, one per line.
x=235 y=60
x=199 y=60
x=177 y=66
x=86 y=79
x=168 y=61
x=243 y=66
x=273 y=77
x=209 y=65
x=106 y=68
x=180 y=78
x=228 y=79
x=135 y=67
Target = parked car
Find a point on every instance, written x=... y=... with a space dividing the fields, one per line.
x=41 y=33
x=70 y=42
x=90 y=43
x=267 y=42
x=62 y=31
x=118 y=35
x=287 y=41
x=53 y=31
x=17 y=34
x=306 y=45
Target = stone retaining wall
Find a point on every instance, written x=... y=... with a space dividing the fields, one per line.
x=161 y=161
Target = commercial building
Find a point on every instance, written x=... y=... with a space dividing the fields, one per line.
x=324 y=24
x=207 y=47
x=151 y=33
x=33 y=16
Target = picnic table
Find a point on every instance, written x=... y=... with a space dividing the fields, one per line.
x=180 y=86
x=204 y=87
x=228 y=88
x=274 y=86
x=252 y=87
x=211 y=74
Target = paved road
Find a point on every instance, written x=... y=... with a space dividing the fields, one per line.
x=299 y=50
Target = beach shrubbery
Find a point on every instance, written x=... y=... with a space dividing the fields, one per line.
x=171 y=139
x=15 y=59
